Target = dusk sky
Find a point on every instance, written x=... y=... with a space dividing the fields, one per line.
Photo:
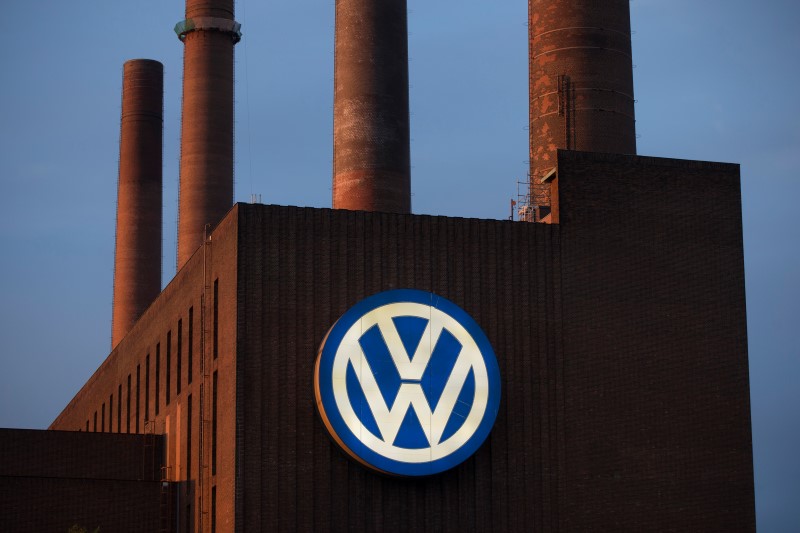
x=715 y=80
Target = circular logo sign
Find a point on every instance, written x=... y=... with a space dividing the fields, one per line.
x=407 y=383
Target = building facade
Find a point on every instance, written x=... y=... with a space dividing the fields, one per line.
x=619 y=332
x=618 y=324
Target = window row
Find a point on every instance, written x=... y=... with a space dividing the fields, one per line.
x=153 y=374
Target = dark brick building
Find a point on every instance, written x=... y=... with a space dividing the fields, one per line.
x=53 y=480
x=618 y=324
x=619 y=331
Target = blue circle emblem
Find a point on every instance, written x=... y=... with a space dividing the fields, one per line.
x=407 y=383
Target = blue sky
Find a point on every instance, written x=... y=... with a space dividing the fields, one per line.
x=715 y=80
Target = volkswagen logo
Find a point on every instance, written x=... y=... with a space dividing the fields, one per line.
x=407 y=383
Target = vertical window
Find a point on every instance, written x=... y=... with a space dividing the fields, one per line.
x=178 y=369
x=147 y=387
x=169 y=361
x=214 y=509
x=128 y=406
x=94 y=427
x=111 y=413
x=103 y=417
x=158 y=374
x=214 y=424
x=215 y=338
x=188 y=439
x=119 y=409
x=190 y=344
x=137 y=398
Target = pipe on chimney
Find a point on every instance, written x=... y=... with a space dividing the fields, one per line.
x=581 y=82
x=209 y=33
x=137 y=255
x=371 y=154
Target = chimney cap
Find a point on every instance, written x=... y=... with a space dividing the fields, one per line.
x=189 y=25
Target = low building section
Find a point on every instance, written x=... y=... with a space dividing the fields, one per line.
x=54 y=480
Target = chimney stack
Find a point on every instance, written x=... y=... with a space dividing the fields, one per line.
x=371 y=161
x=209 y=33
x=581 y=83
x=137 y=257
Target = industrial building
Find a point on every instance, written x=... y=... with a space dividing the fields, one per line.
x=615 y=307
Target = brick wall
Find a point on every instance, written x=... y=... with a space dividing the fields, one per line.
x=300 y=270
x=150 y=340
x=73 y=454
x=52 y=480
x=620 y=335
x=655 y=367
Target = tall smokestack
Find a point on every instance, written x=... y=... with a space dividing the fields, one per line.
x=137 y=257
x=206 y=176
x=371 y=162
x=581 y=82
